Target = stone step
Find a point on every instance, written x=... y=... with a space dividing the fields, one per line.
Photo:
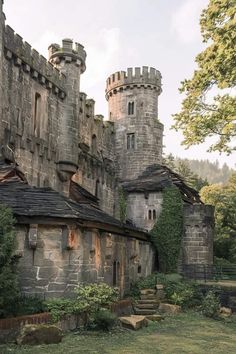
x=144 y=312
x=148 y=301
x=148 y=291
x=149 y=297
x=146 y=306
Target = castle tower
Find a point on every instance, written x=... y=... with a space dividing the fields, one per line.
x=133 y=107
x=70 y=61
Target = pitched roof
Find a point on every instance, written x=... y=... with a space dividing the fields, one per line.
x=28 y=201
x=157 y=177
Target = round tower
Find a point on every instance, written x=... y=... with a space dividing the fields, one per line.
x=133 y=107
x=70 y=61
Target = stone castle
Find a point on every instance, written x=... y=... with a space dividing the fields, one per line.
x=62 y=169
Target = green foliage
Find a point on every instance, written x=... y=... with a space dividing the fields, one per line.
x=210 y=305
x=9 y=287
x=224 y=200
x=27 y=305
x=122 y=205
x=200 y=118
x=105 y=319
x=88 y=300
x=184 y=293
x=167 y=232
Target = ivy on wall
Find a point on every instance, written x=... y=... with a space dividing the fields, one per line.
x=122 y=205
x=168 y=229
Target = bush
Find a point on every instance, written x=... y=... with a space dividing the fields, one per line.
x=9 y=286
x=211 y=305
x=28 y=305
x=105 y=319
x=88 y=300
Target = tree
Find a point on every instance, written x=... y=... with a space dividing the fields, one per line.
x=224 y=200
x=200 y=117
x=167 y=232
x=9 y=288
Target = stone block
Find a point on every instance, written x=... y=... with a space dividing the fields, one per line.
x=169 y=309
x=39 y=334
x=134 y=322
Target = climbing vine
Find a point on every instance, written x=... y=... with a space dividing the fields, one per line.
x=167 y=232
x=122 y=205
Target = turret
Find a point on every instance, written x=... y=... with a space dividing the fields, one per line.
x=133 y=107
x=70 y=60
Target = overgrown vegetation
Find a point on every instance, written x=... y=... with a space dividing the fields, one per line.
x=210 y=305
x=122 y=205
x=9 y=287
x=167 y=232
x=88 y=301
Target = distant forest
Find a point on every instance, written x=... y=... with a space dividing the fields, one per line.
x=206 y=170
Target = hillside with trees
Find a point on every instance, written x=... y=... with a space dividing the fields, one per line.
x=206 y=170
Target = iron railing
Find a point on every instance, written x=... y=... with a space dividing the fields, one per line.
x=209 y=272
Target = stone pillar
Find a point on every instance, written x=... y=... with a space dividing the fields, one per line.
x=133 y=106
x=197 y=252
x=70 y=60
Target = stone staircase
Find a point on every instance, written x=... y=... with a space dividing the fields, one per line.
x=148 y=304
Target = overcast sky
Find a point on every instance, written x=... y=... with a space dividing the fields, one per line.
x=118 y=34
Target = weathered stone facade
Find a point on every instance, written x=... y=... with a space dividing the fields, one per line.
x=54 y=265
x=49 y=128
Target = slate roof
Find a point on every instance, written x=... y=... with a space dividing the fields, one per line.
x=29 y=201
x=157 y=177
x=81 y=195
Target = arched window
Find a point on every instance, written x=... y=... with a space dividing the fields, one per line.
x=130 y=108
x=149 y=214
x=154 y=214
x=130 y=141
x=37 y=114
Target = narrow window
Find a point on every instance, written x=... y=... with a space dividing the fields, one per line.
x=94 y=144
x=114 y=273
x=37 y=113
x=154 y=214
x=130 y=108
x=149 y=214
x=97 y=188
x=139 y=269
x=130 y=141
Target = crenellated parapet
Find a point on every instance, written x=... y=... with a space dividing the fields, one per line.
x=69 y=52
x=138 y=77
x=22 y=55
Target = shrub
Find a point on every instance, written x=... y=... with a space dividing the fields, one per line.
x=9 y=287
x=28 y=305
x=184 y=293
x=210 y=305
x=105 y=319
x=88 y=300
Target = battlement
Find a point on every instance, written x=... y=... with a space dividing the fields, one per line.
x=33 y=63
x=69 y=52
x=138 y=77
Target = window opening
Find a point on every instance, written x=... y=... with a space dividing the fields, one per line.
x=130 y=108
x=130 y=141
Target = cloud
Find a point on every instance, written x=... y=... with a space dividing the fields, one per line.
x=42 y=44
x=101 y=54
x=185 y=22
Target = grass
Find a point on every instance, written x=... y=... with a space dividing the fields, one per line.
x=188 y=333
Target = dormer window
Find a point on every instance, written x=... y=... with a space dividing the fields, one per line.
x=131 y=141
x=130 y=108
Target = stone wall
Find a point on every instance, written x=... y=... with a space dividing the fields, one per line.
x=198 y=234
x=144 y=209
x=139 y=122
x=58 y=259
